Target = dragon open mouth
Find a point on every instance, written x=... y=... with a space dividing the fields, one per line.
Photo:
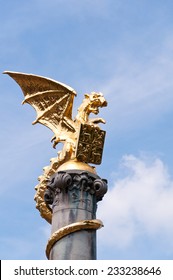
x=104 y=104
x=96 y=111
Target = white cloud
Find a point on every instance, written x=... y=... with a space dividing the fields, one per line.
x=140 y=204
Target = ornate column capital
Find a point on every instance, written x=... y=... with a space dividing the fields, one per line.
x=70 y=180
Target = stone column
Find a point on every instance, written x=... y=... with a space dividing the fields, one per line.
x=74 y=195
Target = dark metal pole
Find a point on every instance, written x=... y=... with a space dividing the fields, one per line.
x=74 y=195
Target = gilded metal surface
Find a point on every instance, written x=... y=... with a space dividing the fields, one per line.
x=53 y=102
x=82 y=225
x=78 y=165
x=90 y=144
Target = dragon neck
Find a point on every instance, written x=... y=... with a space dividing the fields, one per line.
x=83 y=112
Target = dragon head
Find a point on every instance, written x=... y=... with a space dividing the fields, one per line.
x=95 y=100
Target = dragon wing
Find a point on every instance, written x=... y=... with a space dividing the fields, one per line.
x=52 y=100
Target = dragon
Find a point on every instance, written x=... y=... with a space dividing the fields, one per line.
x=53 y=103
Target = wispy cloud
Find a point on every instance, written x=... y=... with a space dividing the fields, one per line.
x=140 y=91
x=138 y=204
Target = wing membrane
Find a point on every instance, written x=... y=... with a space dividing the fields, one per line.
x=52 y=100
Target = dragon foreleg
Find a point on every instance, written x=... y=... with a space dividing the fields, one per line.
x=97 y=120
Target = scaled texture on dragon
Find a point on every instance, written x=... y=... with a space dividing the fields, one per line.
x=82 y=137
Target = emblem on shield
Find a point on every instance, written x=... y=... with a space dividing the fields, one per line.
x=90 y=144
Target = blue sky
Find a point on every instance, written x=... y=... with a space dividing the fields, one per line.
x=124 y=49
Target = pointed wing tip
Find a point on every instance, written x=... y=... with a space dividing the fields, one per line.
x=11 y=72
x=5 y=72
x=8 y=72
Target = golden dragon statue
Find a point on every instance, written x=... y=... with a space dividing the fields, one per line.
x=53 y=102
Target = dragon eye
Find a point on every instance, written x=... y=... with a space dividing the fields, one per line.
x=95 y=96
